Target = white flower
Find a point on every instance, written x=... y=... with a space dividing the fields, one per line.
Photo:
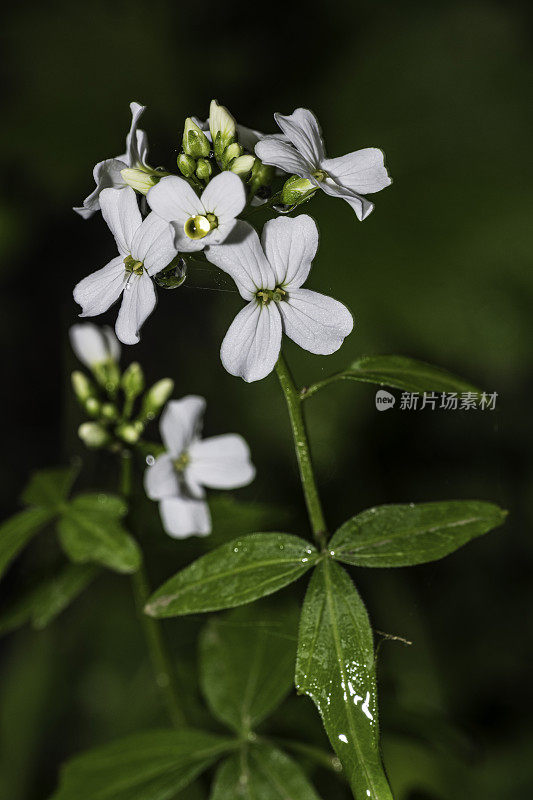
x=349 y=177
x=177 y=478
x=94 y=345
x=107 y=174
x=145 y=248
x=269 y=274
x=199 y=221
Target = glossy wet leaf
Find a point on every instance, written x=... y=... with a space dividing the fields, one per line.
x=263 y=773
x=404 y=373
x=234 y=574
x=402 y=535
x=90 y=530
x=48 y=599
x=336 y=668
x=247 y=663
x=16 y=532
x=153 y=765
x=49 y=487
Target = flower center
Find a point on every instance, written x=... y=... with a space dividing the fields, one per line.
x=265 y=296
x=320 y=175
x=182 y=461
x=133 y=266
x=199 y=226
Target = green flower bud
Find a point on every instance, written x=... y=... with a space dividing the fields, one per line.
x=242 y=165
x=129 y=432
x=155 y=398
x=132 y=382
x=186 y=165
x=92 y=406
x=93 y=434
x=82 y=386
x=232 y=151
x=296 y=190
x=204 y=169
x=107 y=373
x=139 y=179
x=262 y=175
x=195 y=142
x=109 y=412
x=222 y=127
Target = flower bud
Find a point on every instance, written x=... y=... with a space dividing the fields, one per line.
x=242 y=165
x=93 y=434
x=262 y=175
x=222 y=127
x=132 y=382
x=233 y=150
x=155 y=398
x=94 y=345
x=204 y=169
x=109 y=412
x=129 y=432
x=82 y=386
x=186 y=165
x=195 y=142
x=92 y=406
x=139 y=179
x=296 y=190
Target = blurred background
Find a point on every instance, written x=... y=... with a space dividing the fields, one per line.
x=441 y=271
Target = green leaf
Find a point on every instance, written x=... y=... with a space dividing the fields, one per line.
x=247 y=663
x=90 y=530
x=400 y=372
x=402 y=535
x=49 y=598
x=153 y=765
x=49 y=487
x=234 y=574
x=336 y=668
x=261 y=773
x=16 y=532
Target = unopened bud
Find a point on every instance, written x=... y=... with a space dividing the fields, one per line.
x=129 y=432
x=233 y=150
x=132 y=382
x=109 y=412
x=242 y=165
x=139 y=179
x=204 y=169
x=82 y=386
x=155 y=398
x=92 y=406
x=195 y=142
x=93 y=434
x=186 y=165
x=296 y=190
x=222 y=127
x=262 y=175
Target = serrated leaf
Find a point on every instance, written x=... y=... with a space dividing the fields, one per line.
x=90 y=530
x=234 y=574
x=49 y=487
x=247 y=663
x=403 y=535
x=404 y=373
x=261 y=773
x=336 y=668
x=153 y=765
x=49 y=598
x=16 y=532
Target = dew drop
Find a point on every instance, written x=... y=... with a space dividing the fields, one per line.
x=150 y=460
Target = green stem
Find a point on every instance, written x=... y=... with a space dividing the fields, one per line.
x=309 y=391
x=159 y=657
x=303 y=454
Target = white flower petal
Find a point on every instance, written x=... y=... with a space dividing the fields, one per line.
x=220 y=233
x=121 y=212
x=221 y=462
x=182 y=517
x=251 y=346
x=290 y=244
x=136 y=140
x=107 y=175
x=224 y=196
x=303 y=130
x=113 y=344
x=283 y=155
x=181 y=423
x=363 y=171
x=138 y=302
x=90 y=343
x=98 y=291
x=153 y=243
x=161 y=479
x=174 y=199
x=316 y=322
x=242 y=257
x=360 y=204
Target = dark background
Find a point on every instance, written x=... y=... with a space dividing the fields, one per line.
x=441 y=271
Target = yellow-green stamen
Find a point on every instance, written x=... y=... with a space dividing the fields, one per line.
x=133 y=266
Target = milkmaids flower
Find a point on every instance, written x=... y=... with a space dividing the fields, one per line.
x=269 y=274
x=198 y=221
x=145 y=248
x=177 y=478
x=349 y=177
x=94 y=345
x=107 y=174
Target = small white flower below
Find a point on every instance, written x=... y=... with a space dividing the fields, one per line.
x=178 y=477
x=94 y=345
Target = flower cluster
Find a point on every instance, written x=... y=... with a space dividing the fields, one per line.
x=225 y=171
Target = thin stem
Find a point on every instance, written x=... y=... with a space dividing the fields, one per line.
x=309 y=391
x=303 y=454
x=159 y=657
